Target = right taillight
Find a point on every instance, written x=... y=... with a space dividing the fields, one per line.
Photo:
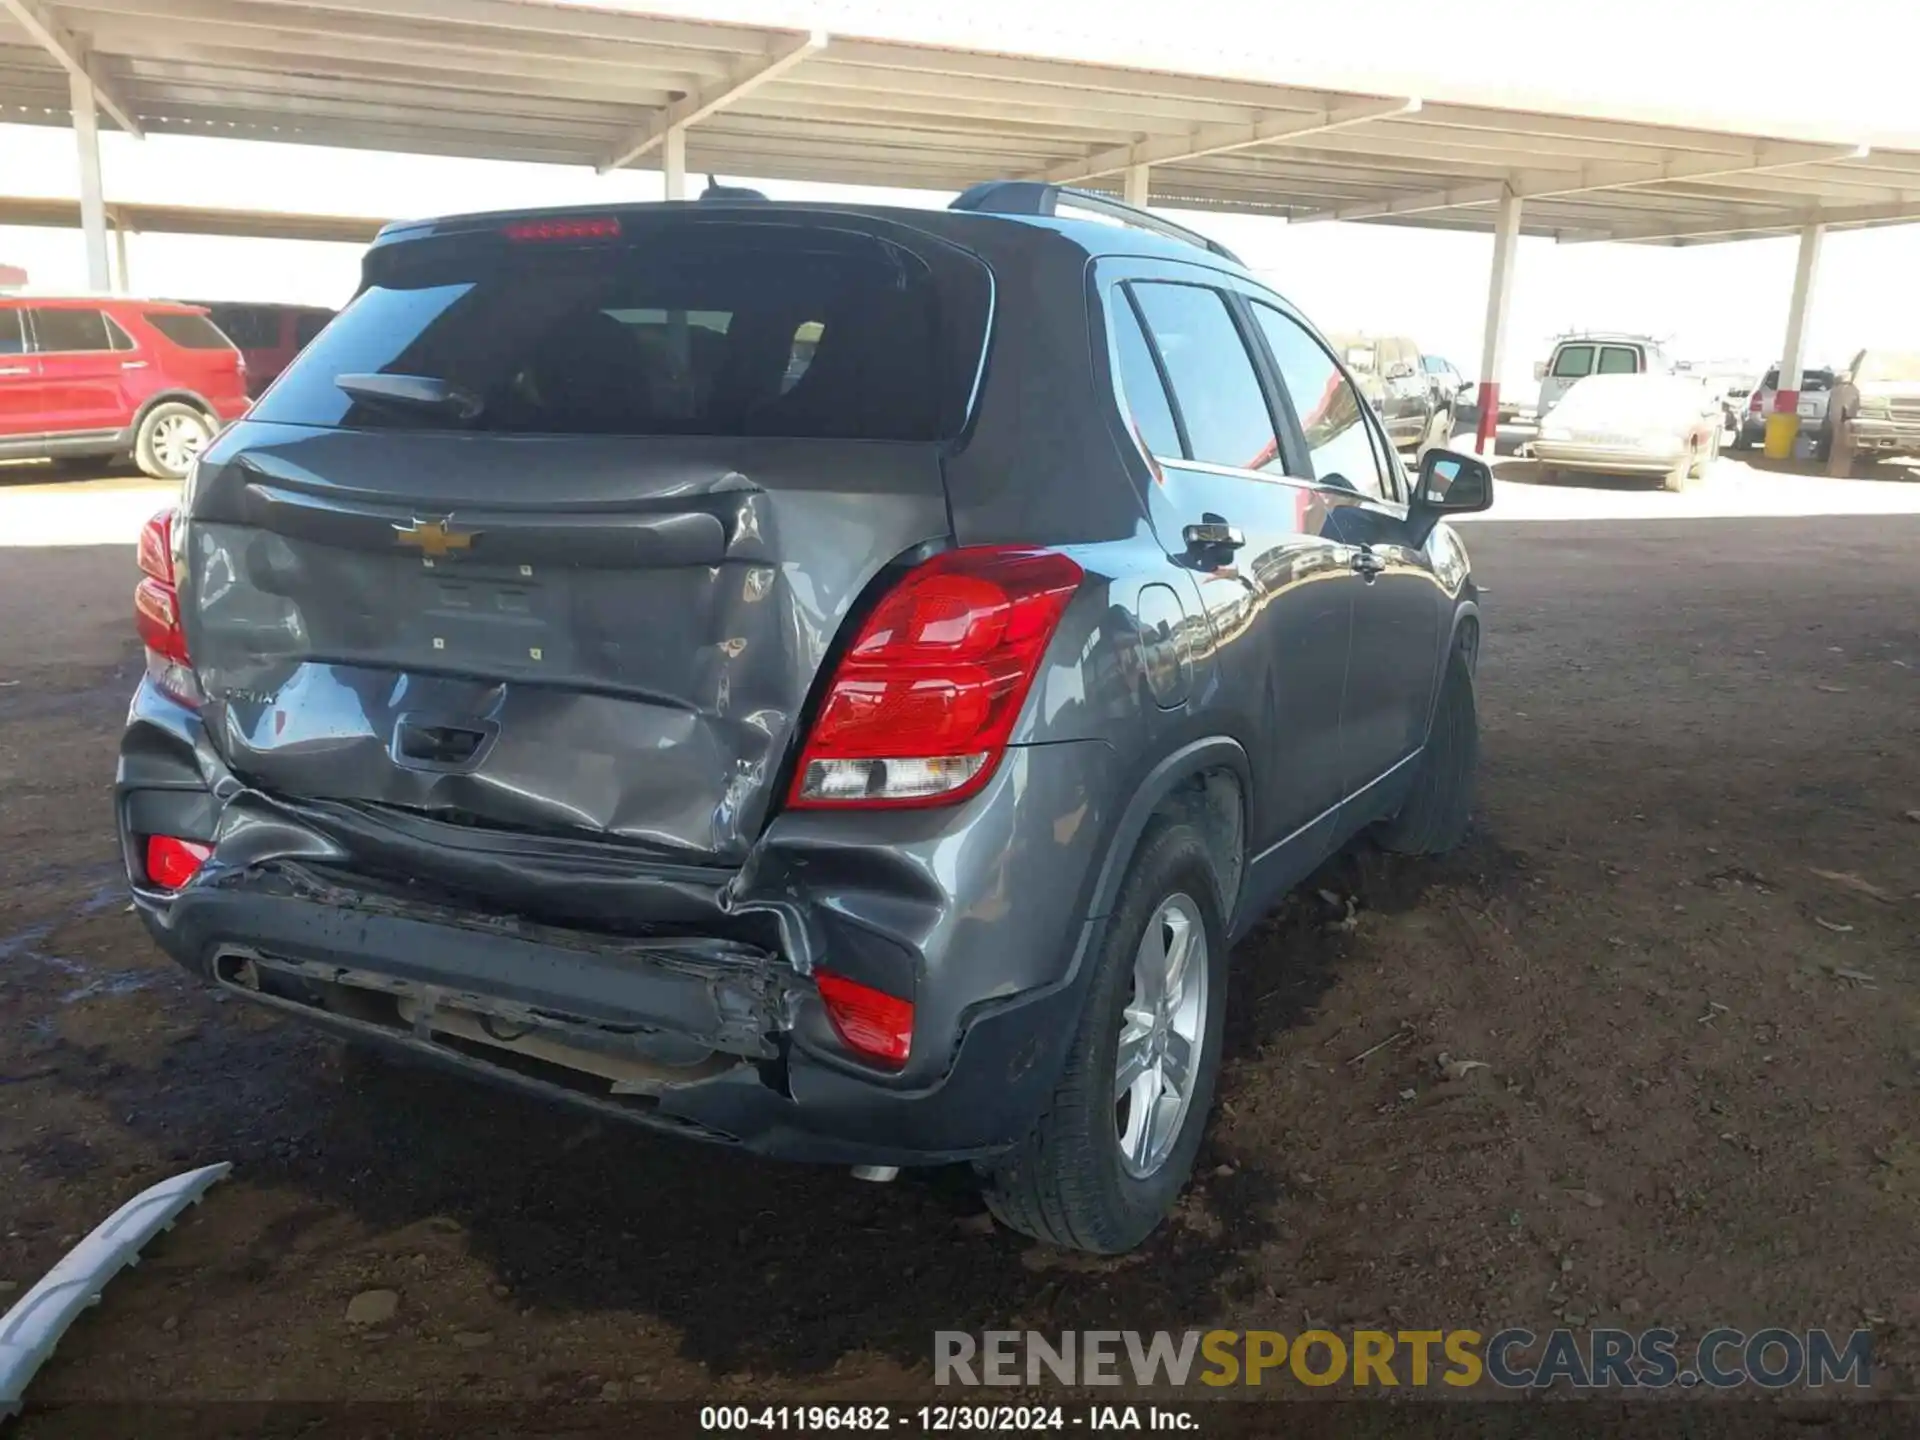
x=1756 y=405
x=156 y=613
x=923 y=702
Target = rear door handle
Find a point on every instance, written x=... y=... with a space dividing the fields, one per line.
x=15 y=370
x=133 y=364
x=1213 y=533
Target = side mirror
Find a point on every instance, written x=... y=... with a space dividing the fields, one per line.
x=1465 y=388
x=1539 y=369
x=1449 y=483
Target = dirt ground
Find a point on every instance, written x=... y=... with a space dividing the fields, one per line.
x=1682 y=943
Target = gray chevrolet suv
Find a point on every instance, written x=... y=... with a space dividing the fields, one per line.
x=829 y=680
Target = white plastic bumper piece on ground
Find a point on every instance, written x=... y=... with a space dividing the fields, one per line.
x=30 y=1330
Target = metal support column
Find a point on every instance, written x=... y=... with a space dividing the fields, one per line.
x=1783 y=426
x=122 y=276
x=93 y=205
x=1506 y=242
x=1136 y=188
x=673 y=152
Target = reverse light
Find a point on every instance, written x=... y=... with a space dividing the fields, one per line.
x=878 y=1025
x=156 y=613
x=560 y=227
x=172 y=862
x=922 y=704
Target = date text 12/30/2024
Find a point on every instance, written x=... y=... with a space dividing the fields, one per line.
x=943 y=1419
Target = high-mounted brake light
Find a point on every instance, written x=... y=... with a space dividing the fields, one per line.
x=922 y=704
x=595 y=227
x=172 y=862
x=156 y=613
x=878 y=1025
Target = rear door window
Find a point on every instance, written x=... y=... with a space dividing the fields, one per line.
x=1221 y=406
x=189 y=332
x=1619 y=360
x=1143 y=390
x=70 y=331
x=13 y=336
x=717 y=328
x=305 y=327
x=1574 y=362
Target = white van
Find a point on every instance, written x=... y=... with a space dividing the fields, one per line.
x=1596 y=353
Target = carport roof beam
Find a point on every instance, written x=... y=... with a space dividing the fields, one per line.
x=1224 y=139
x=745 y=78
x=1423 y=203
x=40 y=22
x=1777 y=222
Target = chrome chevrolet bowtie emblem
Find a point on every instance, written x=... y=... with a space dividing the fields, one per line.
x=434 y=538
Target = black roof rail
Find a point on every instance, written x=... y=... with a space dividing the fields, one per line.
x=1037 y=197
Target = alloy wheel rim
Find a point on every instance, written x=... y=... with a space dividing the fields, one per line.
x=1161 y=1031
x=177 y=440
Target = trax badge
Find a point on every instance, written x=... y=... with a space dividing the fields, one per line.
x=435 y=537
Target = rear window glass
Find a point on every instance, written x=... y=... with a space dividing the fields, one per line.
x=1618 y=360
x=1573 y=362
x=190 y=332
x=68 y=331
x=715 y=328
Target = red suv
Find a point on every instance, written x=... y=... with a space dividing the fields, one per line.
x=114 y=377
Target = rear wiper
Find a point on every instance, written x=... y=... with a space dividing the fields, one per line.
x=413 y=392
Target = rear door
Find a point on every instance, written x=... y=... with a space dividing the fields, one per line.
x=198 y=355
x=22 y=401
x=1280 y=631
x=1570 y=364
x=593 y=594
x=81 y=353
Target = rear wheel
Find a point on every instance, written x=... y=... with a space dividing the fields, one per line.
x=1434 y=818
x=1107 y=1159
x=1681 y=476
x=170 y=439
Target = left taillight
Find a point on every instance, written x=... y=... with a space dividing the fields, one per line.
x=921 y=706
x=156 y=613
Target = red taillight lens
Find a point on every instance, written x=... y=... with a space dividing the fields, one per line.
x=597 y=227
x=172 y=863
x=156 y=547
x=1754 y=406
x=922 y=704
x=878 y=1025
x=156 y=613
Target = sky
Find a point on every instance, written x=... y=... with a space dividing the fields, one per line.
x=1711 y=303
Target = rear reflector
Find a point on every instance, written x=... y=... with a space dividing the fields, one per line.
x=922 y=704
x=597 y=227
x=878 y=1025
x=171 y=863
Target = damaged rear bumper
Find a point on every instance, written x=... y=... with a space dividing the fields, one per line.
x=705 y=1019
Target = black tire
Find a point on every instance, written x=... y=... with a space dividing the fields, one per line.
x=154 y=447
x=1434 y=818
x=1066 y=1183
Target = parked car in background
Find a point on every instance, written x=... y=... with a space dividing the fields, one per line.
x=269 y=335
x=1575 y=357
x=974 y=713
x=1392 y=373
x=1815 y=385
x=1451 y=389
x=1889 y=386
x=1665 y=425
x=81 y=377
